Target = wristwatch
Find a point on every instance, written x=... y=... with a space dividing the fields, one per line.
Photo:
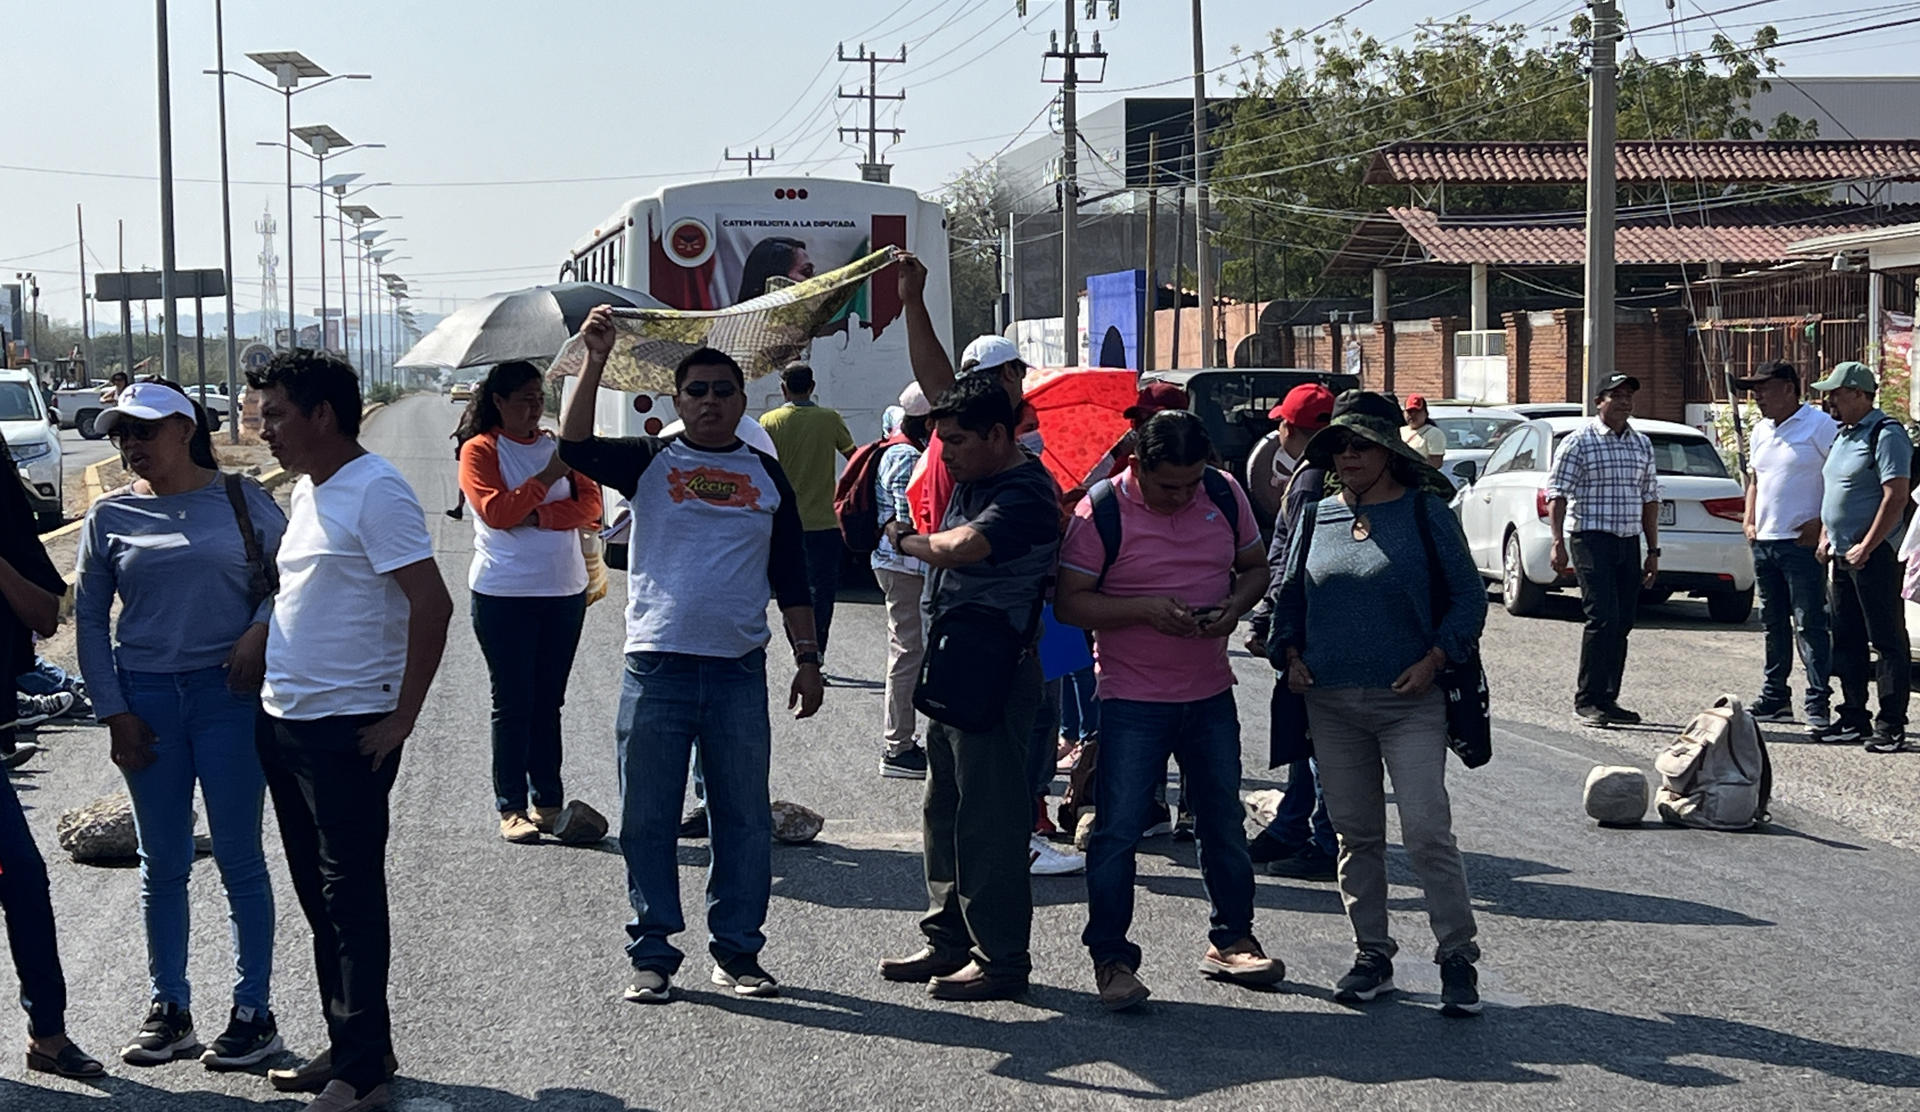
x=1654 y=551
x=801 y=660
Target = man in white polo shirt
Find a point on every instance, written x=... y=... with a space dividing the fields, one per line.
x=358 y=627
x=1789 y=446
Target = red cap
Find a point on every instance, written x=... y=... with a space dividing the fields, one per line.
x=1416 y=401
x=1155 y=397
x=1308 y=406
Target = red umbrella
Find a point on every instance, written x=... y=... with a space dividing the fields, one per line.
x=1082 y=413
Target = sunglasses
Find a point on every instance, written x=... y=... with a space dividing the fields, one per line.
x=722 y=390
x=134 y=430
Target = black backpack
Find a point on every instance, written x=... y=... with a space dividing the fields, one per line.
x=1913 y=461
x=1106 y=513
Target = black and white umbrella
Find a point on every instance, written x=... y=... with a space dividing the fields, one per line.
x=526 y=324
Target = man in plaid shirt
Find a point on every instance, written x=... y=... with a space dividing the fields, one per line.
x=1604 y=481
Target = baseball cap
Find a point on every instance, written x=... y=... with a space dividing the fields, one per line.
x=1155 y=397
x=1615 y=382
x=1307 y=406
x=1416 y=401
x=914 y=401
x=988 y=352
x=1851 y=373
x=145 y=401
x=1775 y=372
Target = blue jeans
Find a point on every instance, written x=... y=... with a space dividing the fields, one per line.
x=45 y=679
x=1793 y=607
x=669 y=704
x=529 y=644
x=1301 y=819
x=1079 y=709
x=824 y=551
x=201 y=731
x=1135 y=740
x=29 y=911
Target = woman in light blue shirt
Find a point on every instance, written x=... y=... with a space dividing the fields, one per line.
x=189 y=553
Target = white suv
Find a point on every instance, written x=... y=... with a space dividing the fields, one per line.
x=34 y=442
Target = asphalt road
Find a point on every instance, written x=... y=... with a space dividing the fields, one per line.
x=1624 y=968
x=78 y=452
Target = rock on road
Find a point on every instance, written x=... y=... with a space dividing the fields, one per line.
x=1623 y=968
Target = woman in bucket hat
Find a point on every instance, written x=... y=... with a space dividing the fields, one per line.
x=1356 y=634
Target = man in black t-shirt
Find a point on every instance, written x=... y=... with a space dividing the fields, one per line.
x=996 y=550
x=30 y=591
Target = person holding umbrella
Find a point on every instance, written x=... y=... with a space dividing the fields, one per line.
x=529 y=584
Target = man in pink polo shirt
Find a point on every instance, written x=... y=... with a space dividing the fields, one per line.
x=1160 y=563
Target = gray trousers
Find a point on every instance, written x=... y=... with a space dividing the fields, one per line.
x=1358 y=732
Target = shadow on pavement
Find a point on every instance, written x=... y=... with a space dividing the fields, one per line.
x=408 y=1095
x=830 y=875
x=1180 y=1050
x=1500 y=888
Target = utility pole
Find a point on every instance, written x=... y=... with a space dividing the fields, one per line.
x=126 y=312
x=873 y=169
x=86 y=327
x=1597 y=347
x=1069 y=52
x=226 y=218
x=749 y=159
x=1179 y=291
x=1147 y=337
x=169 y=324
x=1200 y=209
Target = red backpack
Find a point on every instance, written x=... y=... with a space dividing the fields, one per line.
x=854 y=506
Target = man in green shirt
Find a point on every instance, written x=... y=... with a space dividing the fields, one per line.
x=808 y=436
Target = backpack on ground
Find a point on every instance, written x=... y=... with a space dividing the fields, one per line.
x=854 y=506
x=1106 y=513
x=1717 y=775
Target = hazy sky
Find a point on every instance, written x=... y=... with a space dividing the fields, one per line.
x=482 y=103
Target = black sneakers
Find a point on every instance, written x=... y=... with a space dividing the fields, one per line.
x=909 y=764
x=1771 y=710
x=742 y=974
x=1837 y=733
x=1309 y=864
x=1887 y=739
x=1370 y=977
x=167 y=1034
x=1618 y=715
x=251 y=1037
x=1459 y=991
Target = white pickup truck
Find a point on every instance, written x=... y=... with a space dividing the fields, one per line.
x=77 y=406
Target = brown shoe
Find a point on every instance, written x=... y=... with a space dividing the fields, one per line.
x=516 y=827
x=1243 y=963
x=924 y=965
x=315 y=1073
x=543 y=818
x=1119 y=988
x=339 y=1096
x=974 y=983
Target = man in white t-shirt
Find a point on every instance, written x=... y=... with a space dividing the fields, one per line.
x=1789 y=446
x=359 y=623
x=1425 y=437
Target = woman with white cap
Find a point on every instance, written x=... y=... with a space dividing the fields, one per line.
x=190 y=554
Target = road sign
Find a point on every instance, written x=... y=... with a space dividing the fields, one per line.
x=144 y=285
x=255 y=356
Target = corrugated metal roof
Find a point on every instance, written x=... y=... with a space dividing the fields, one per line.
x=1713 y=161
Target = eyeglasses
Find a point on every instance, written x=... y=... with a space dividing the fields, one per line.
x=134 y=430
x=722 y=390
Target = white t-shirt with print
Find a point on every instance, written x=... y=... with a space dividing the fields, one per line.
x=338 y=641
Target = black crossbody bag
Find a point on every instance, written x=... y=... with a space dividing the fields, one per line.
x=973 y=654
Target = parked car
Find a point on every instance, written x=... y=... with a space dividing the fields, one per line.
x=1531 y=410
x=1233 y=402
x=461 y=392
x=33 y=439
x=1471 y=431
x=213 y=398
x=1704 y=553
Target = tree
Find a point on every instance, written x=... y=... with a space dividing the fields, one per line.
x=1314 y=109
x=977 y=206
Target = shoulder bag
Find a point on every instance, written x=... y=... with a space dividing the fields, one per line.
x=1462 y=682
x=263 y=578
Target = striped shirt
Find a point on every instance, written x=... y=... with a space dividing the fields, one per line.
x=1606 y=477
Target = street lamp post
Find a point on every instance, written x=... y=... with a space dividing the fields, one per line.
x=341 y=210
x=320 y=142
x=169 y=326
x=289 y=68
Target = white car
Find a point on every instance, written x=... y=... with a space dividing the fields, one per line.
x=34 y=442
x=1471 y=430
x=1704 y=553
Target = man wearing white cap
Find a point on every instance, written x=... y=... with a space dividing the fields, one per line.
x=902 y=580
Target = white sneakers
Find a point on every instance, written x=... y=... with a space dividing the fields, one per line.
x=1044 y=860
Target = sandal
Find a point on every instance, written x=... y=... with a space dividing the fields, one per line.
x=69 y=1061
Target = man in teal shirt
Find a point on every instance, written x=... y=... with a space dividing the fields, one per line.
x=810 y=437
x=1863 y=508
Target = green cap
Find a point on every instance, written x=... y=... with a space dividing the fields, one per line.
x=1851 y=373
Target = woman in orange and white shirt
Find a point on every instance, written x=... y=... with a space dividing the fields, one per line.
x=529 y=585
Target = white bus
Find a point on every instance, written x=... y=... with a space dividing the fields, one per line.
x=711 y=244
